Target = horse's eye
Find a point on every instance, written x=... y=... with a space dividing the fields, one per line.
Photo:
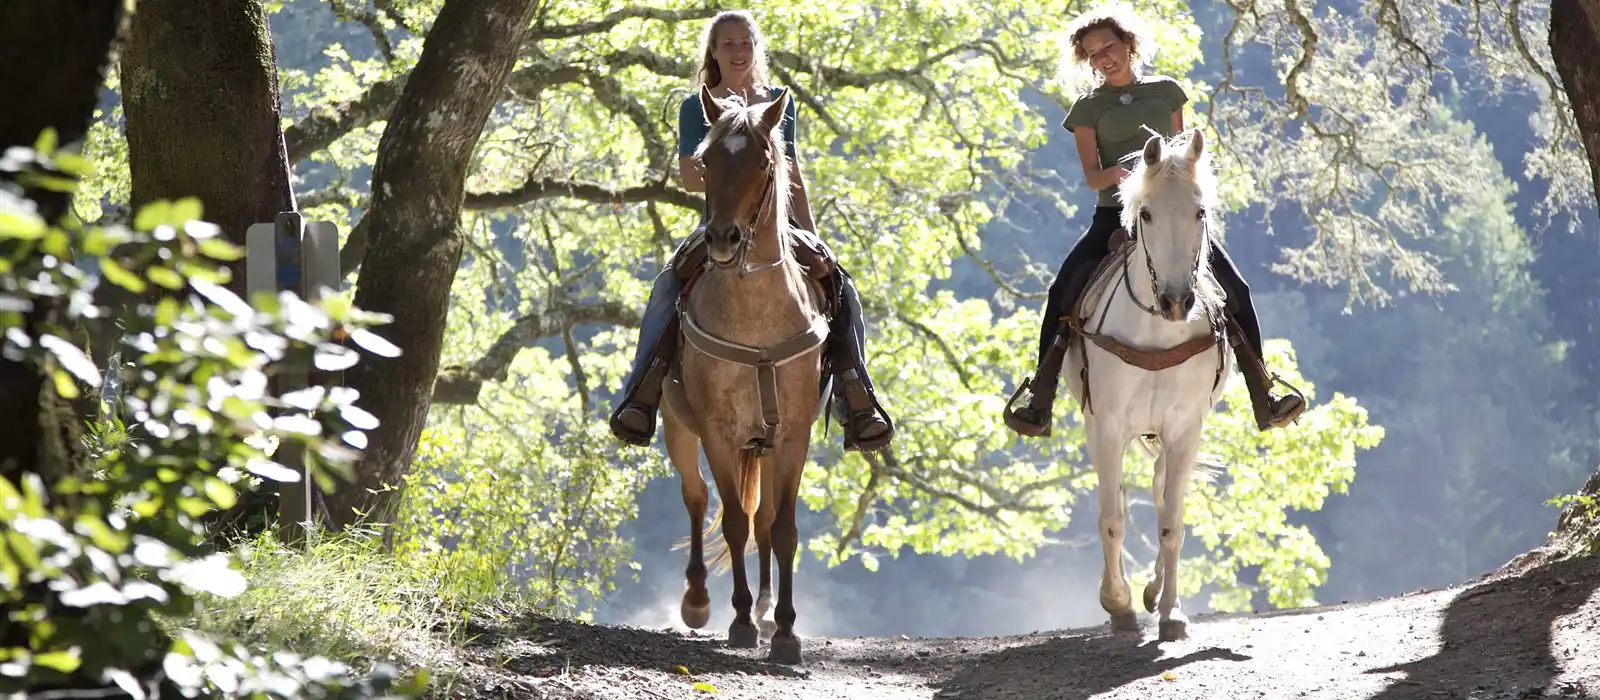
x=1200 y=215
x=1145 y=215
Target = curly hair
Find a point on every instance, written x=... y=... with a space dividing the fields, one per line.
x=1122 y=21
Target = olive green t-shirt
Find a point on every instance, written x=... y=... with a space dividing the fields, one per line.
x=1118 y=116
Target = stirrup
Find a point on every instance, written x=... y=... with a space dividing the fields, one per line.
x=1014 y=420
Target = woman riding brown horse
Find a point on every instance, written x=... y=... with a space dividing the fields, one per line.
x=733 y=63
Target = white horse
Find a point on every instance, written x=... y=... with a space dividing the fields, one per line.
x=1153 y=358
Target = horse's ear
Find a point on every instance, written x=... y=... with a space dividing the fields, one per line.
x=1197 y=146
x=709 y=105
x=1152 y=151
x=772 y=115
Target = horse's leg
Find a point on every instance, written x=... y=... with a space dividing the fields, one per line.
x=786 y=540
x=1179 y=454
x=765 y=515
x=1105 y=451
x=727 y=467
x=683 y=450
x=1158 y=489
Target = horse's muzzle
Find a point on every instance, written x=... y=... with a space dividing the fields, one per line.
x=1175 y=306
x=724 y=243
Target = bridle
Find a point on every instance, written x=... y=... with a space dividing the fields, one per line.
x=1144 y=245
x=746 y=229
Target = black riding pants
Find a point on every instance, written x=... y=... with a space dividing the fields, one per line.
x=1094 y=246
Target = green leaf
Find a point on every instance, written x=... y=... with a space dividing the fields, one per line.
x=61 y=661
x=165 y=276
x=22 y=226
x=46 y=144
x=220 y=249
x=705 y=687
x=152 y=215
x=220 y=492
x=115 y=274
x=184 y=210
x=66 y=388
x=23 y=546
x=101 y=534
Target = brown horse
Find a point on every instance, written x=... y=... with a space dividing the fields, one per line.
x=745 y=389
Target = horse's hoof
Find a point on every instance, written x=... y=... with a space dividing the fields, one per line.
x=744 y=636
x=1174 y=630
x=694 y=616
x=1125 y=622
x=768 y=628
x=1152 y=590
x=785 y=650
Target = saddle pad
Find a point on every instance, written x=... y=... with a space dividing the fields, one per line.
x=1104 y=275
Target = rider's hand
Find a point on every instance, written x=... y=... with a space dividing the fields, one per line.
x=1121 y=173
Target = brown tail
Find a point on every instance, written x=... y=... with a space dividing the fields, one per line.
x=719 y=559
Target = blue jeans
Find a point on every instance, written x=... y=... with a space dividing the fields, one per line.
x=657 y=313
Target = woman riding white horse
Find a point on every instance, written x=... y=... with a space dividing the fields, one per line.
x=1110 y=123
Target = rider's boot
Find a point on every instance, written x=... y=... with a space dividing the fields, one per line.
x=634 y=421
x=1034 y=418
x=867 y=426
x=1270 y=411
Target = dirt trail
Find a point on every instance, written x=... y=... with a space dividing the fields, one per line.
x=1527 y=634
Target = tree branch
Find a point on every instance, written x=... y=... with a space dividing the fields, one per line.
x=605 y=24
x=550 y=188
x=462 y=385
x=367 y=18
x=322 y=128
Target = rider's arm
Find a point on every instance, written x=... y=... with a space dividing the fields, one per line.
x=1081 y=119
x=1089 y=157
x=1177 y=121
x=691 y=131
x=800 y=201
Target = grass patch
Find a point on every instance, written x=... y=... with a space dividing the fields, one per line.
x=343 y=598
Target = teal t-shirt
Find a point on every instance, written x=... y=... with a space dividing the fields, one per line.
x=1118 y=116
x=693 y=128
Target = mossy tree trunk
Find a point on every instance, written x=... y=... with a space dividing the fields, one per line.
x=1575 y=46
x=414 y=247
x=201 y=98
x=53 y=58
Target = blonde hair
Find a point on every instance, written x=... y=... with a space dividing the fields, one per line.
x=710 y=74
x=1123 y=21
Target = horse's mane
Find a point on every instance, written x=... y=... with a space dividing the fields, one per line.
x=739 y=118
x=1174 y=168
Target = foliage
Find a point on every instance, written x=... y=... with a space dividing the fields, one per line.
x=1579 y=526
x=1331 y=111
x=88 y=563
x=475 y=510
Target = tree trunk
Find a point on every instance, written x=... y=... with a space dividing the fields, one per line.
x=200 y=92
x=53 y=57
x=1575 y=46
x=414 y=246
